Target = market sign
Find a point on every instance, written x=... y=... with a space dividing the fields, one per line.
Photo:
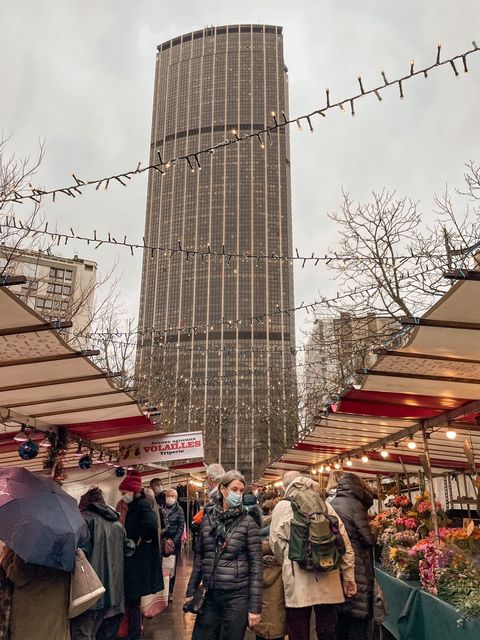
x=177 y=446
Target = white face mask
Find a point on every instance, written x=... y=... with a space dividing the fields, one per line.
x=127 y=498
x=170 y=502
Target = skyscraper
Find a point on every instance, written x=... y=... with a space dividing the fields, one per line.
x=234 y=381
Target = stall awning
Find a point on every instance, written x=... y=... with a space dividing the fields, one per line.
x=45 y=383
x=432 y=381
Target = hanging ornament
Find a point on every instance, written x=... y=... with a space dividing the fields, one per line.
x=119 y=472
x=85 y=461
x=28 y=450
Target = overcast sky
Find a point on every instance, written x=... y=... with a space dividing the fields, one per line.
x=79 y=75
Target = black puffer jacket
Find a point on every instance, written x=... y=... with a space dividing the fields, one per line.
x=175 y=524
x=351 y=503
x=239 y=565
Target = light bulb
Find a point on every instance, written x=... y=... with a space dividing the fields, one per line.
x=21 y=436
x=384 y=453
x=327 y=468
x=364 y=458
x=314 y=471
x=349 y=463
x=337 y=465
x=321 y=469
x=411 y=444
x=451 y=434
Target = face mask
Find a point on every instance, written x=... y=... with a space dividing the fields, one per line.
x=127 y=498
x=234 y=499
x=170 y=502
x=157 y=490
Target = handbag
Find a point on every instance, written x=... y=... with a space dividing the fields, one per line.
x=380 y=608
x=85 y=586
x=196 y=603
x=168 y=565
x=168 y=547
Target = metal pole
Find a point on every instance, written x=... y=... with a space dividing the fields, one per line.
x=431 y=486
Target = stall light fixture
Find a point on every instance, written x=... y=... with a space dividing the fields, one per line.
x=337 y=465
x=349 y=462
x=313 y=470
x=327 y=468
x=384 y=453
x=46 y=442
x=21 y=436
x=321 y=469
x=411 y=444
x=451 y=434
x=364 y=458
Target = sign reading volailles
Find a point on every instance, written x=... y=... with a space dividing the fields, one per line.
x=178 y=446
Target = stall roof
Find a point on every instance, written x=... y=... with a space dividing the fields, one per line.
x=45 y=383
x=433 y=380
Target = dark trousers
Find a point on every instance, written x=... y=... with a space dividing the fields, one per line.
x=134 y=619
x=109 y=628
x=171 y=586
x=224 y=616
x=298 y=622
x=349 y=628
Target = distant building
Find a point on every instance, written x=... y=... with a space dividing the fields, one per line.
x=57 y=288
x=338 y=346
x=234 y=382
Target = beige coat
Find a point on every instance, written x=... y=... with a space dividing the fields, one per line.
x=39 y=602
x=306 y=588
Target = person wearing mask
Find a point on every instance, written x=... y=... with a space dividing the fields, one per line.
x=305 y=589
x=104 y=551
x=228 y=561
x=143 y=569
x=351 y=501
x=39 y=600
x=174 y=531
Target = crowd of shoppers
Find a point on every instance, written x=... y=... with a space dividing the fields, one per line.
x=245 y=571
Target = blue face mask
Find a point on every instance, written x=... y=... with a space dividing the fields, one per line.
x=234 y=499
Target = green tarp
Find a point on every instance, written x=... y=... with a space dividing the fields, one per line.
x=417 y=615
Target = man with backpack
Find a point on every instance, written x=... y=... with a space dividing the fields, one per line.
x=318 y=561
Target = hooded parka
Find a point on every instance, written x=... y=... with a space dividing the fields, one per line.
x=105 y=551
x=272 y=624
x=351 y=502
x=307 y=588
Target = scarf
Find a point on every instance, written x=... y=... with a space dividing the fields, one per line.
x=222 y=522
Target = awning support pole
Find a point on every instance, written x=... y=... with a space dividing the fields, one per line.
x=431 y=486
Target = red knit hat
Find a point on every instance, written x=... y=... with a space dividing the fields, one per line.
x=133 y=482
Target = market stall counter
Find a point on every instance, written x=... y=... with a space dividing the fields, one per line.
x=414 y=614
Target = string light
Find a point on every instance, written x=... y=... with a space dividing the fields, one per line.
x=229 y=258
x=384 y=453
x=364 y=458
x=337 y=465
x=349 y=462
x=451 y=434
x=411 y=444
x=78 y=187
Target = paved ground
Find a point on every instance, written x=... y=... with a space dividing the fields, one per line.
x=173 y=624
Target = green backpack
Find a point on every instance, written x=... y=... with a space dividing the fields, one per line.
x=315 y=541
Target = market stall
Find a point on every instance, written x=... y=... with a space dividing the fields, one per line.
x=411 y=428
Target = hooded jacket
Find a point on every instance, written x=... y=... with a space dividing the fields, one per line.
x=307 y=588
x=105 y=551
x=273 y=621
x=239 y=565
x=351 y=502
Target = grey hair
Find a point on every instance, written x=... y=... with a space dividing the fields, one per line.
x=230 y=476
x=215 y=471
x=289 y=477
x=171 y=490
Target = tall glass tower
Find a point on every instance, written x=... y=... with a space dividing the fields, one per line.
x=234 y=381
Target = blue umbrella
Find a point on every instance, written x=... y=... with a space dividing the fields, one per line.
x=38 y=520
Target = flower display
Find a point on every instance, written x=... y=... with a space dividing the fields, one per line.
x=406 y=523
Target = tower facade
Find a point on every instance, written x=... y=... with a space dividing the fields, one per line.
x=202 y=368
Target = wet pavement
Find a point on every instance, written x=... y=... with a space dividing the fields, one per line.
x=173 y=624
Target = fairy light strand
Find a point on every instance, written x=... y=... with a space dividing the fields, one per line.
x=192 y=160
